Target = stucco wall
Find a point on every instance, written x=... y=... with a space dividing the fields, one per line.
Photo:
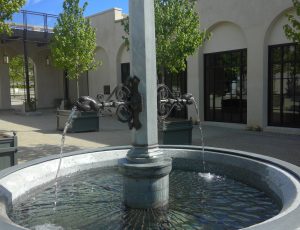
x=49 y=80
x=225 y=36
x=275 y=34
x=101 y=76
x=110 y=50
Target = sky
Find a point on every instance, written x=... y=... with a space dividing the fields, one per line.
x=94 y=6
x=55 y=7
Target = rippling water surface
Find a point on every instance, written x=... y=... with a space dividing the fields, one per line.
x=93 y=200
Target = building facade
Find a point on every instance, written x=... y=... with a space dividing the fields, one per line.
x=45 y=85
x=248 y=73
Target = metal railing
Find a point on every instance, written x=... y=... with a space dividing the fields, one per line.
x=33 y=21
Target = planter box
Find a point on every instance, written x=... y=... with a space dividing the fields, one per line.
x=8 y=150
x=83 y=121
x=175 y=132
x=30 y=107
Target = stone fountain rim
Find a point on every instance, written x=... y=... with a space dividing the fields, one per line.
x=286 y=166
x=290 y=219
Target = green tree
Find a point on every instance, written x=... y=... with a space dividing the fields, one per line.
x=7 y=9
x=74 y=41
x=16 y=71
x=178 y=34
x=292 y=31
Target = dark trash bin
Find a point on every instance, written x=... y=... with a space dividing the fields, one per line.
x=8 y=150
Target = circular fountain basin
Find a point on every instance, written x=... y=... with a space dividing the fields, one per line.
x=280 y=180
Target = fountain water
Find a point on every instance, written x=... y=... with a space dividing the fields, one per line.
x=62 y=144
x=207 y=175
x=96 y=195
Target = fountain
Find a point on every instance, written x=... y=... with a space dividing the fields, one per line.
x=253 y=191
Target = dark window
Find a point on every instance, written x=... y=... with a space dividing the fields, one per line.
x=284 y=85
x=125 y=72
x=106 y=89
x=226 y=86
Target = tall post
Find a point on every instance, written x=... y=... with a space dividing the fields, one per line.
x=143 y=62
x=26 y=66
x=146 y=172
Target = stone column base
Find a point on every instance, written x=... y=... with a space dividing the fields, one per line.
x=146 y=185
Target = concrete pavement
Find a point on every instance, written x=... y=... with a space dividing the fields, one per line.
x=38 y=137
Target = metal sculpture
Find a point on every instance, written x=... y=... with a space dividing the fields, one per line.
x=168 y=101
x=128 y=102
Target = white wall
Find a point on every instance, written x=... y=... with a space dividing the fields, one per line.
x=276 y=33
x=125 y=57
x=109 y=32
x=225 y=36
x=102 y=76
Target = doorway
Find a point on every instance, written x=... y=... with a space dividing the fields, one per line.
x=18 y=83
x=226 y=86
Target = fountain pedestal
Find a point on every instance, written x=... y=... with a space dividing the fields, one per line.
x=146 y=185
x=146 y=170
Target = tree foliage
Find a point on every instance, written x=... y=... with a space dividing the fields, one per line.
x=178 y=34
x=74 y=41
x=7 y=9
x=292 y=31
x=16 y=69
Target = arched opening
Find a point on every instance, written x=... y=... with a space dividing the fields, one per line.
x=123 y=64
x=18 y=89
x=225 y=74
x=100 y=78
x=283 y=75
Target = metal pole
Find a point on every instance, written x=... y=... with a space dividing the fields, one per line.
x=26 y=58
x=66 y=84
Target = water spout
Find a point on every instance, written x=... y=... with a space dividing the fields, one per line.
x=62 y=144
x=201 y=131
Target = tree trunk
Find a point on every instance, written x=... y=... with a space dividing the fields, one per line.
x=14 y=90
x=161 y=75
x=77 y=84
x=66 y=86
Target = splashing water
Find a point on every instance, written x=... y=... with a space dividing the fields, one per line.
x=210 y=177
x=47 y=227
x=207 y=176
x=201 y=132
x=62 y=143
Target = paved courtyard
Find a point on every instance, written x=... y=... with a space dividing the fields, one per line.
x=38 y=137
